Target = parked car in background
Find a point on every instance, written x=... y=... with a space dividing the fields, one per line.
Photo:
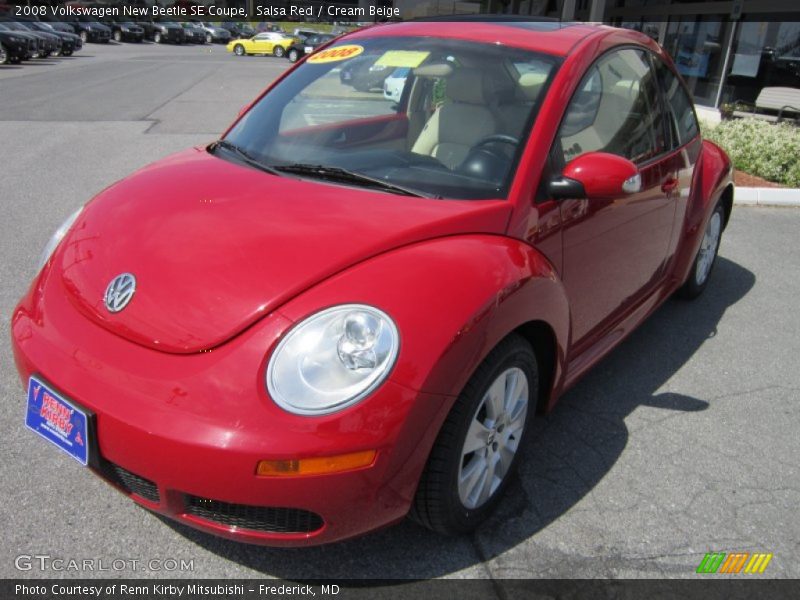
x=266 y=26
x=58 y=25
x=70 y=42
x=126 y=31
x=394 y=84
x=168 y=32
x=15 y=46
x=304 y=32
x=364 y=74
x=305 y=46
x=162 y=32
x=238 y=30
x=46 y=44
x=215 y=33
x=195 y=34
x=262 y=43
x=90 y=30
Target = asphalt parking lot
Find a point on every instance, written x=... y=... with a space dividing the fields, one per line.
x=683 y=441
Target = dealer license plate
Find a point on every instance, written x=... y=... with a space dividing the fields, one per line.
x=57 y=420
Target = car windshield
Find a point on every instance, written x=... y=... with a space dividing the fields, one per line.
x=451 y=122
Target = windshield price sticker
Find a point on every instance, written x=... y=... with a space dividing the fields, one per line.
x=335 y=54
x=402 y=58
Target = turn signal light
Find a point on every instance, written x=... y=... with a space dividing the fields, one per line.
x=315 y=466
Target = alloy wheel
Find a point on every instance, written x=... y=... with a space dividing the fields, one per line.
x=708 y=248
x=493 y=438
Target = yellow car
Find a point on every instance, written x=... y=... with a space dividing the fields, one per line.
x=269 y=42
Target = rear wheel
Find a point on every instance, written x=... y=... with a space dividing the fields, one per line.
x=279 y=51
x=84 y=36
x=157 y=37
x=209 y=39
x=706 y=256
x=238 y=50
x=3 y=55
x=475 y=454
x=294 y=55
x=117 y=36
x=66 y=53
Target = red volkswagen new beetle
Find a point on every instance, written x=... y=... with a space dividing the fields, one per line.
x=350 y=307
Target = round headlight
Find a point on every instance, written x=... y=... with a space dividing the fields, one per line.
x=57 y=237
x=333 y=359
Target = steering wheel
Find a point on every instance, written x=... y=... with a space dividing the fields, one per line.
x=489 y=164
x=497 y=138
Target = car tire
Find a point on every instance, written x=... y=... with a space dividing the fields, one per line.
x=66 y=53
x=209 y=38
x=293 y=55
x=455 y=494
x=706 y=256
x=157 y=37
x=4 y=60
x=84 y=36
x=238 y=50
x=56 y=53
x=117 y=36
x=279 y=51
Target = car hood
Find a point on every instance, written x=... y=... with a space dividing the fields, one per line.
x=214 y=245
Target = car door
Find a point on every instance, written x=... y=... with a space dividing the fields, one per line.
x=614 y=249
x=263 y=43
x=685 y=141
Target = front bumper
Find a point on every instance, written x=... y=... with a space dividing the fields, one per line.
x=17 y=50
x=182 y=434
x=132 y=36
x=173 y=36
x=98 y=36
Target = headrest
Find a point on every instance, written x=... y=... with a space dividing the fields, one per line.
x=434 y=70
x=531 y=84
x=466 y=85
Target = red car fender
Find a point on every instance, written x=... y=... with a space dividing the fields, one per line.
x=453 y=299
x=713 y=180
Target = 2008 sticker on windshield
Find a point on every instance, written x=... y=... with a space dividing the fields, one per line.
x=336 y=53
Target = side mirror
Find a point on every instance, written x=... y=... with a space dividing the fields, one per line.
x=597 y=175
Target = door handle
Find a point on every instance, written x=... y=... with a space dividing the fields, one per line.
x=670 y=185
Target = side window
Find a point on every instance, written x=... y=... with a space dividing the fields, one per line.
x=616 y=109
x=682 y=119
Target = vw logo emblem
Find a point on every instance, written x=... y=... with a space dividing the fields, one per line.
x=119 y=292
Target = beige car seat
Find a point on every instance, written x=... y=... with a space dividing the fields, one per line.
x=460 y=122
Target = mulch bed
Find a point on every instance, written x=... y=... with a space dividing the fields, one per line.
x=746 y=180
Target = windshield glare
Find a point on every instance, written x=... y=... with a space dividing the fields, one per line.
x=446 y=118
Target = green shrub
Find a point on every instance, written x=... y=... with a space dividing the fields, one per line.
x=768 y=150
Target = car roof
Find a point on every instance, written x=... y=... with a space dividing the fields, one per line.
x=546 y=35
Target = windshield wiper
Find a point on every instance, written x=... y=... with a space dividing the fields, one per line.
x=345 y=176
x=244 y=155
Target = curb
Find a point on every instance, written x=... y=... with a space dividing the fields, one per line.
x=755 y=196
